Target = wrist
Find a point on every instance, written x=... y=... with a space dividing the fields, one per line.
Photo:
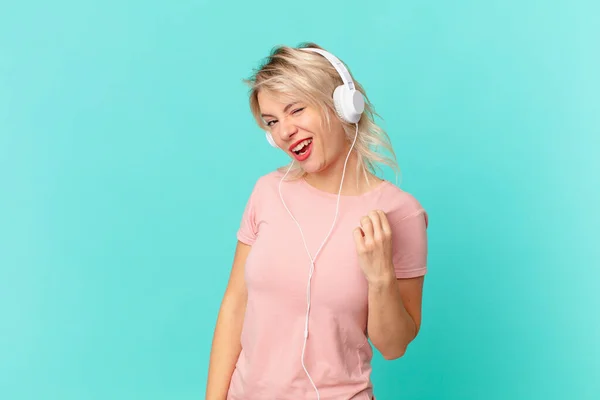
x=382 y=280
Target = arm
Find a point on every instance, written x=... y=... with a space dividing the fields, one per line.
x=394 y=314
x=226 y=344
x=394 y=310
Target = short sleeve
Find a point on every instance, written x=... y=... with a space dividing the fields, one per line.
x=248 y=229
x=409 y=236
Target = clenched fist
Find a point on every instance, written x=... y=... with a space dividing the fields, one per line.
x=373 y=240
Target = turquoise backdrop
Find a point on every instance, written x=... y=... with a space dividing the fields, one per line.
x=127 y=152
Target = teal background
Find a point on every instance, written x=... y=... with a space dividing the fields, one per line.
x=127 y=152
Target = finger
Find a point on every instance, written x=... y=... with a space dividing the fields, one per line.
x=385 y=223
x=359 y=238
x=376 y=221
x=367 y=226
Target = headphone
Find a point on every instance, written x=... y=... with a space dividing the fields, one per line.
x=349 y=105
x=348 y=102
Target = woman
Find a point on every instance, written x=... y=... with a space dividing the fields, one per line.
x=328 y=254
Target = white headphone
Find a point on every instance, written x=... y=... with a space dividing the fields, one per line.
x=349 y=105
x=348 y=102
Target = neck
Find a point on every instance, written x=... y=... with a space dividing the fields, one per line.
x=355 y=181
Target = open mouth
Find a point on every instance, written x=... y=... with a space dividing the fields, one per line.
x=302 y=147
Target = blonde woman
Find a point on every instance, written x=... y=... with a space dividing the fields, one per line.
x=330 y=259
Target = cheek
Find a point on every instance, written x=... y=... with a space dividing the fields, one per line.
x=310 y=124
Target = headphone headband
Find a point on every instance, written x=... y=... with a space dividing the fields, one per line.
x=337 y=64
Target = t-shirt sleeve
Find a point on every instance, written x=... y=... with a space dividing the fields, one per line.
x=248 y=229
x=409 y=236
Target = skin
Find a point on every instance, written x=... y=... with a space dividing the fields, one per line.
x=394 y=316
x=290 y=121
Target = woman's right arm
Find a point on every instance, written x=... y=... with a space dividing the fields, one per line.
x=226 y=344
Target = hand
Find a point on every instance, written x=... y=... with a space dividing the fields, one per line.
x=373 y=241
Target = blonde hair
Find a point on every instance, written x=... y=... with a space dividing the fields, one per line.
x=310 y=77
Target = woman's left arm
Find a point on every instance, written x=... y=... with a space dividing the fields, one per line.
x=394 y=304
x=394 y=314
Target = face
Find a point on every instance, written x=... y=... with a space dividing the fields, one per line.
x=297 y=129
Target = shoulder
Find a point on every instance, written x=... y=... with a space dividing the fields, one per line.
x=265 y=185
x=400 y=205
x=267 y=180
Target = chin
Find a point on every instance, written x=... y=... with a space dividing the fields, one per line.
x=314 y=163
x=313 y=166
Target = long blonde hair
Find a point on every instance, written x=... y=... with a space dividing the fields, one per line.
x=311 y=77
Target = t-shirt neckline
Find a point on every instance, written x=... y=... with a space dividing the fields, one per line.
x=329 y=195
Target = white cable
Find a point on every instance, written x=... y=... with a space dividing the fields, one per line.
x=312 y=260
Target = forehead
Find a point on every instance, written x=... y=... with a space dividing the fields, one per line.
x=275 y=101
x=275 y=98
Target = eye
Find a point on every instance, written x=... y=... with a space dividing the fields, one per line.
x=298 y=110
x=270 y=123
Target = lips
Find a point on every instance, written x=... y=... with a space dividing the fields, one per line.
x=303 y=156
x=297 y=143
x=301 y=149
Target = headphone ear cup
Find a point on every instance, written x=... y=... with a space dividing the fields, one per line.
x=338 y=103
x=349 y=105
x=270 y=139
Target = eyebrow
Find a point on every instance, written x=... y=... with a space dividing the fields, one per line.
x=284 y=110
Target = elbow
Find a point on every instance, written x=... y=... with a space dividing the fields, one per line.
x=394 y=354
x=397 y=349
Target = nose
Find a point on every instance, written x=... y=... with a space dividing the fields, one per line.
x=288 y=130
